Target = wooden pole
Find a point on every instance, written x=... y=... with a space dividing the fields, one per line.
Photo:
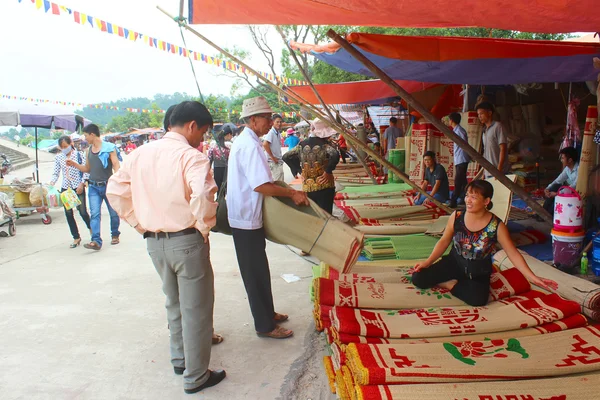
x=332 y=124
x=323 y=104
x=440 y=125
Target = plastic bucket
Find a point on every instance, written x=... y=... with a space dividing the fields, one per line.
x=396 y=157
x=566 y=247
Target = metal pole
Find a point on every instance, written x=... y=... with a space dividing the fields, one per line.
x=440 y=125
x=37 y=168
x=323 y=104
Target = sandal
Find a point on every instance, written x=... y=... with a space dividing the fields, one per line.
x=92 y=246
x=280 y=317
x=277 y=333
x=216 y=339
x=75 y=243
x=115 y=240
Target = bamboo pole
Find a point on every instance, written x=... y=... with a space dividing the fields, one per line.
x=323 y=104
x=440 y=125
x=332 y=124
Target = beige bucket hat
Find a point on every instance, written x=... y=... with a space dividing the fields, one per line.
x=321 y=129
x=254 y=106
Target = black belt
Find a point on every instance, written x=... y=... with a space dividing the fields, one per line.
x=98 y=183
x=167 y=235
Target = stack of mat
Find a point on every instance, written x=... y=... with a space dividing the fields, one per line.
x=390 y=340
x=379 y=249
x=406 y=247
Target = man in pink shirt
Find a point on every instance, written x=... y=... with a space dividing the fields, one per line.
x=165 y=190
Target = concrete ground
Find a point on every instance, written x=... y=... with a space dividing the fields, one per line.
x=77 y=324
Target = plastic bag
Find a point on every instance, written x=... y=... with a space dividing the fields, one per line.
x=37 y=196
x=53 y=198
x=70 y=199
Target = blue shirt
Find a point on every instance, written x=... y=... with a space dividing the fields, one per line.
x=568 y=177
x=291 y=141
x=460 y=157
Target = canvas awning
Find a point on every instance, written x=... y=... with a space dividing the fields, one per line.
x=479 y=61
x=361 y=92
x=550 y=16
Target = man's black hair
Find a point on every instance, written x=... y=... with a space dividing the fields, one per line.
x=92 y=129
x=393 y=120
x=189 y=111
x=167 y=120
x=429 y=153
x=570 y=152
x=275 y=116
x=455 y=117
x=485 y=106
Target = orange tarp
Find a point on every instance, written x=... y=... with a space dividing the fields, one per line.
x=549 y=16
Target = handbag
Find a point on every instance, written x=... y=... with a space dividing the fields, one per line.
x=70 y=199
x=222 y=225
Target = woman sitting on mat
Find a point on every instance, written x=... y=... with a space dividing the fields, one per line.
x=467 y=269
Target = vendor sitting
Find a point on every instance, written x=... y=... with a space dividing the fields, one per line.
x=467 y=269
x=435 y=175
x=568 y=177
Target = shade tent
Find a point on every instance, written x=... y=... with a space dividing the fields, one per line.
x=361 y=92
x=9 y=117
x=460 y=60
x=548 y=16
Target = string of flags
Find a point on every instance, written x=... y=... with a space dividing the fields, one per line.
x=117 y=108
x=113 y=29
x=104 y=106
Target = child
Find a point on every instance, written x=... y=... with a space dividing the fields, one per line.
x=466 y=270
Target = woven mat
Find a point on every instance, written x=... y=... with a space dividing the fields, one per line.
x=378 y=189
x=524 y=314
x=579 y=387
x=502 y=198
x=312 y=230
x=574 y=351
x=574 y=321
x=376 y=202
x=391 y=229
x=570 y=287
x=403 y=295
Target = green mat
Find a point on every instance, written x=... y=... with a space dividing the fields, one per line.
x=388 y=187
x=407 y=247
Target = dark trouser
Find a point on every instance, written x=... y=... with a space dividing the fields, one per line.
x=254 y=268
x=323 y=198
x=71 y=216
x=473 y=277
x=549 y=202
x=343 y=154
x=460 y=182
x=220 y=175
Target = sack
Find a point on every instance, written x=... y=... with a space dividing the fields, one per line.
x=53 y=198
x=37 y=195
x=222 y=225
x=70 y=199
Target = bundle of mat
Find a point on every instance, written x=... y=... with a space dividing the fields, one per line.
x=525 y=314
x=379 y=249
x=312 y=230
x=376 y=202
x=574 y=321
x=391 y=229
x=359 y=180
x=585 y=293
x=403 y=295
x=572 y=352
x=405 y=247
x=578 y=387
x=369 y=191
x=400 y=212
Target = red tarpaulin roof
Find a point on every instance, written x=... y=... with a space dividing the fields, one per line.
x=549 y=16
x=357 y=92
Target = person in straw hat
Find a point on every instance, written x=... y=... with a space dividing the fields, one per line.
x=315 y=159
x=249 y=179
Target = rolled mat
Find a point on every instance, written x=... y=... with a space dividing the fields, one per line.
x=584 y=292
x=574 y=351
x=579 y=387
x=312 y=230
x=403 y=295
x=525 y=314
x=376 y=202
x=391 y=276
x=329 y=372
x=574 y=321
x=340 y=386
x=349 y=381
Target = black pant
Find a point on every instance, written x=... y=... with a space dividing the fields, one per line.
x=549 y=202
x=71 y=216
x=460 y=182
x=343 y=154
x=220 y=175
x=473 y=277
x=323 y=198
x=254 y=268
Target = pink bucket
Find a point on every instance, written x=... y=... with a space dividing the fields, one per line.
x=568 y=212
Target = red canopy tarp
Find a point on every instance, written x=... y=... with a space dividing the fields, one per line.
x=549 y=16
x=361 y=92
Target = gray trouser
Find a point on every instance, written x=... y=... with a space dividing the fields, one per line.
x=183 y=264
x=277 y=171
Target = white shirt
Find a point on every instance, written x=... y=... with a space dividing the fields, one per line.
x=567 y=177
x=248 y=169
x=274 y=139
